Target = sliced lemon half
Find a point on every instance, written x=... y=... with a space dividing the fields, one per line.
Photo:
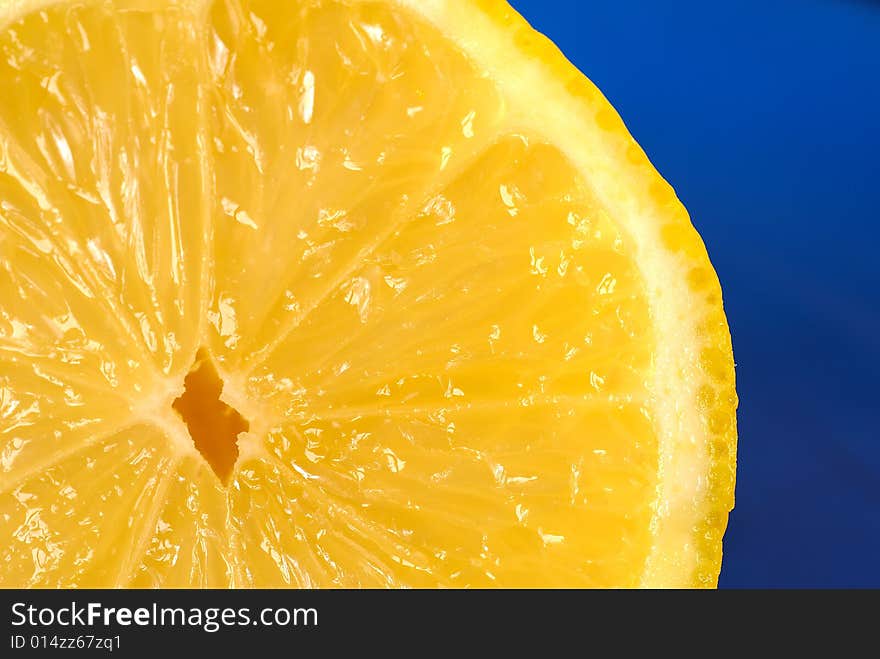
x=343 y=293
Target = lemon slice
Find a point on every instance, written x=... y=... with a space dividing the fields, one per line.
x=343 y=293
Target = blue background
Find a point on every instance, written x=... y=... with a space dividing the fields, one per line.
x=764 y=117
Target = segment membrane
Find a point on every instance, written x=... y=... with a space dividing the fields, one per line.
x=331 y=123
x=73 y=523
x=101 y=168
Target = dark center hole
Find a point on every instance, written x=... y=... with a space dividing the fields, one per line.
x=213 y=425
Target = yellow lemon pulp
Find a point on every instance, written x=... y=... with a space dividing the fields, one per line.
x=343 y=293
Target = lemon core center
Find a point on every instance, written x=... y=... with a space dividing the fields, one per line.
x=213 y=425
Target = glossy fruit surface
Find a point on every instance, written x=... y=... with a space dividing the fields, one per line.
x=329 y=293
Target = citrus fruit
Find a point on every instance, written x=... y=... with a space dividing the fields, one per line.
x=343 y=293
